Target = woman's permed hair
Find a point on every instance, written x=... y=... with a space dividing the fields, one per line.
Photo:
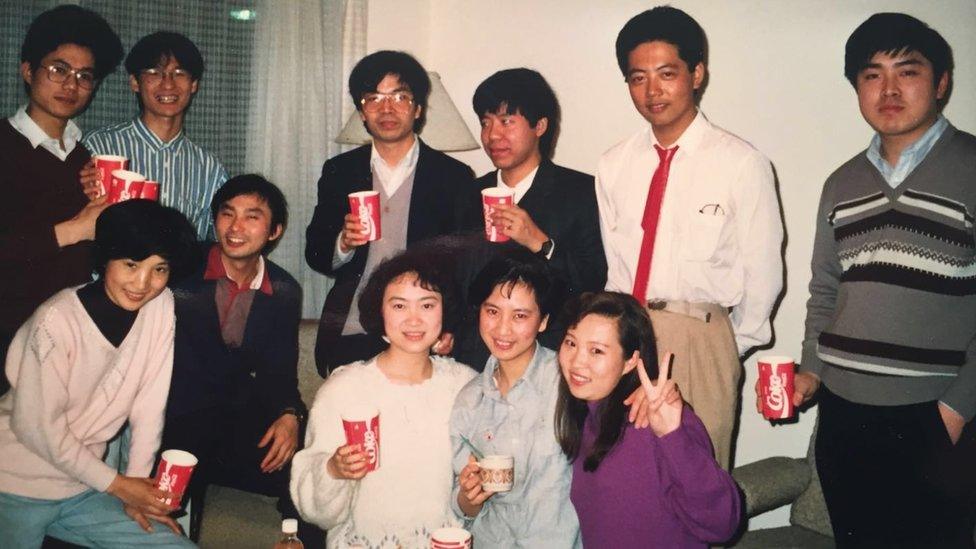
x=432 y=272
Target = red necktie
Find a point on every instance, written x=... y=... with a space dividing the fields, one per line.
x=652 y=212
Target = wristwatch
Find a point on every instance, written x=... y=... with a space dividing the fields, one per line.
x=293 y=411
x=545 y=249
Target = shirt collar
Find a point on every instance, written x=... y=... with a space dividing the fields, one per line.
x=521 y=187
x=23 y=123
x=143 y=131
x=530 y=377
x=215 y=271
x=910 y=157
x=691 y=137
x=408 y=161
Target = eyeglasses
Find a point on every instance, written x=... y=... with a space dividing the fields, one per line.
x=157 y=75
x=59 y=72
x=401 y=101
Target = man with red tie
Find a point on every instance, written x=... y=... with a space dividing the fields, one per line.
x=703 y=248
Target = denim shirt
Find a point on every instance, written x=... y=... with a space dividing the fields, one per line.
x=537 y=511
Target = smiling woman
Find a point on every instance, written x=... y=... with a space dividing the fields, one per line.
x=400 y=494
x=55 y=421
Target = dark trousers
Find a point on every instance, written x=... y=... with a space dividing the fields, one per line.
x=226 y=444
x=892 y=478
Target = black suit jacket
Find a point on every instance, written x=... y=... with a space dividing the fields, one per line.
x=561 y=202
x=443 y=202
x=261 y=375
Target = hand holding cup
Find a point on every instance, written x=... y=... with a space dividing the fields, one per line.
x=472 y=495
x=348 y=463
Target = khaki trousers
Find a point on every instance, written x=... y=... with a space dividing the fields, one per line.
x=706 y=368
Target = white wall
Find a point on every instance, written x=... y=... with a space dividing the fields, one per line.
x=776 y=79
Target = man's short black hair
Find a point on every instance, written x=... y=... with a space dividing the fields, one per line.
x=137 y=229
x=666 y=24
x=514 y=267
x=433 y=272
x=70 y=24
x=254 y=184
x=157 y=48
x=372 y=69
x=523 y=91
x=891 y=34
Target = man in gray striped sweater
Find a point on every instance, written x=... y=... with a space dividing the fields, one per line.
x=890 y=343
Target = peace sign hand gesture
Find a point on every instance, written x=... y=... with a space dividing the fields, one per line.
x=663 y=410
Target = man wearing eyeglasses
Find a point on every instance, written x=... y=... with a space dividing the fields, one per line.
x=164 y=71
x=423 y=194
x=46 y=221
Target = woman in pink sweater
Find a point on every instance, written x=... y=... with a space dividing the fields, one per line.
x=88 y=360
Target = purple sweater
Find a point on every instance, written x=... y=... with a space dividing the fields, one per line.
x=664 y=492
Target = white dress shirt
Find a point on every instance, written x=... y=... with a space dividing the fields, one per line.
x=719 y=232
x=519 y=188
x=23 y=123
x=391 y=177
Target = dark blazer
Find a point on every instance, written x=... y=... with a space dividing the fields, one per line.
x=262 y=373
x=444 y=201
x=562 y=202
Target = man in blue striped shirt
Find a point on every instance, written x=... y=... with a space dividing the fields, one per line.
x=164 y=71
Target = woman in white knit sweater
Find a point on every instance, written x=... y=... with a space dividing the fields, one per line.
x=408 y=496
x=88 y=360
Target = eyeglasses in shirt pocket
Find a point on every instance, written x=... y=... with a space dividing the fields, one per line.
x=703 y=236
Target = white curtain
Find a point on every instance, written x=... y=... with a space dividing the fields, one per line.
x=303 y=51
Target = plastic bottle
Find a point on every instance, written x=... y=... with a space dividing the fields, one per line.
x=289 y=536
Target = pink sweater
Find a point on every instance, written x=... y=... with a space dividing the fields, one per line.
x=71 y=393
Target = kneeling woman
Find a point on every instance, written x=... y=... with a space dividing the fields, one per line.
x=408 y=496
x=87 y=361
x=634 y=488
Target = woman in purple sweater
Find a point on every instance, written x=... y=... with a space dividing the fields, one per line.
x=634 y=488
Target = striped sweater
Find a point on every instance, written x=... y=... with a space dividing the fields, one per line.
x=891 y=318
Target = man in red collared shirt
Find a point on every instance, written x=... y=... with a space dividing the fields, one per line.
x=234 y=400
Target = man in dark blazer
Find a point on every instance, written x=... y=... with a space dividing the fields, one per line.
x=234 y=400
x=423 y=194
x=555 y=213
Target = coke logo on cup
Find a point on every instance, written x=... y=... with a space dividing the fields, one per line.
x=366 y=218
x=166 y=480
x=488 y=210
x=369 y=444
x=776 y=398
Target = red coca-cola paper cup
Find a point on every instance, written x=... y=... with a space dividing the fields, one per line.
x=450 y=538
x=362 y=426
x=367 y=205
x=776 y=386
x=126 y=185
x=173 y=473
x=490 y=198
x=150 y=190
x=106 y=164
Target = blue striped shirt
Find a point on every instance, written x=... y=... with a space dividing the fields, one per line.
x=188 y=176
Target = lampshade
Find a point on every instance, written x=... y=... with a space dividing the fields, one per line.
x=444 y=130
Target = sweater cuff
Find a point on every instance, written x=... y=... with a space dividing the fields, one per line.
x=961 y=400
x=100 y=477
x=810 y=362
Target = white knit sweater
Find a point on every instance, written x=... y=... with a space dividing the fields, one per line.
x=402 y=502
x=72 y=391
